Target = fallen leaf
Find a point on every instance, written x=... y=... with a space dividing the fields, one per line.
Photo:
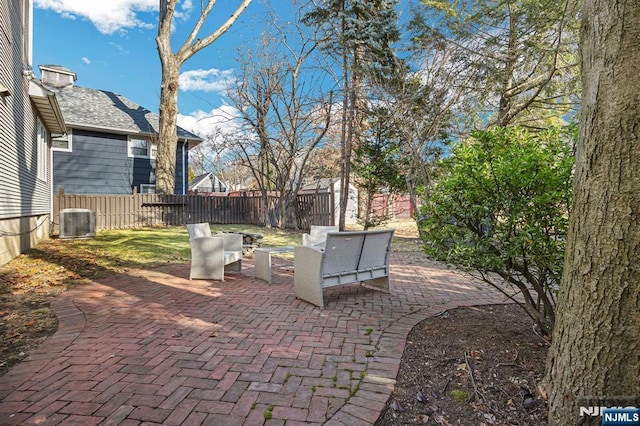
x=422 y=418
x=397 y=406
x=441 y=420
x=490 y=418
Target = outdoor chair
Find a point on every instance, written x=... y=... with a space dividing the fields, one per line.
x=317 y=236
x=349 y=257
x=212 y=255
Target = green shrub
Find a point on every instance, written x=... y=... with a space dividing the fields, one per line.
x=500 y=205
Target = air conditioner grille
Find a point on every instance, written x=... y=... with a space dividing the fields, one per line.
x=77 y=223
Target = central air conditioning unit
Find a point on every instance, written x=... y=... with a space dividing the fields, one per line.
x=77 y=223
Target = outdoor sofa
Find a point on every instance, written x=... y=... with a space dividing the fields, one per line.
x=348 y=257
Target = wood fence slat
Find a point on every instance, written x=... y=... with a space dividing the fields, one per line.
x=144 y=210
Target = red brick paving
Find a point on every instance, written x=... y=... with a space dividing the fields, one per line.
x=153 y=347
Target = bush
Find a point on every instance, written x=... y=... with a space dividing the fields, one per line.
x=500 y=205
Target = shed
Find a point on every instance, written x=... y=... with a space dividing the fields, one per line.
x=334 y=185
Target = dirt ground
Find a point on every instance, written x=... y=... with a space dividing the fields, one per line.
x=27 y=286
x=471 y=366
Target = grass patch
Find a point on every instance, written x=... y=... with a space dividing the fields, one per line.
x=114 y=250
x=459 y=396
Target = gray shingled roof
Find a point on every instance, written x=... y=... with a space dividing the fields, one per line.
x=198 y=180
x=100 y=109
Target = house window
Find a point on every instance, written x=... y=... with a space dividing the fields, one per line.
x=43 y=150
x=62 y=143
x=146 y=188
x=142 y=148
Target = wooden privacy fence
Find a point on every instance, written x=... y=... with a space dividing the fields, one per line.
x=145 y=210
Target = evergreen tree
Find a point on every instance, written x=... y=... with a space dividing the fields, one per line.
x=520 y=57
x=359 y=35
x=376 y=164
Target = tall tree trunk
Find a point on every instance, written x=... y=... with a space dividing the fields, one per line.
x=595 y=355
x=171 y=63
x=345 y=130
x=166 y=157
x=505 y=104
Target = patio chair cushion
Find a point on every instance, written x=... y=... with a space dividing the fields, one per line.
x=317 y=236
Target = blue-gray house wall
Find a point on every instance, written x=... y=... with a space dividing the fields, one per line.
x=99 y=164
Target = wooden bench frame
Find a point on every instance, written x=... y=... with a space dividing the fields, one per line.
x=348 y=257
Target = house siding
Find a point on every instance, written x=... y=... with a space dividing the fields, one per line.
x=24 y=199
x=99 y=164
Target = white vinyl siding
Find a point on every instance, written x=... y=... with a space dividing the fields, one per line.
x=24 y=170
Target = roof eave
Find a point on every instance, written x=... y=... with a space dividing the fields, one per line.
x=48 y=108
x=93 y=127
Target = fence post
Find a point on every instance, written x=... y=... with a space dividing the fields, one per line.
x=332 y=204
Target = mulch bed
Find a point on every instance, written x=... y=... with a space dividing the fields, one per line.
x=471 y=366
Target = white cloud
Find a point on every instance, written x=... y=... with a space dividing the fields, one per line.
x=185 y=11
x=86 y=60
x=119 y=48
x=108 y=16
x=217 y=128
x=210 y=124
x=211 y=80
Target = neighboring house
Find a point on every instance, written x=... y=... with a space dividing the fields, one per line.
x=206 y=183
x=110 y=143
x=29 y=115
x=327 y=185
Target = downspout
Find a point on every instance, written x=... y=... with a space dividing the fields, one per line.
x=184 y=167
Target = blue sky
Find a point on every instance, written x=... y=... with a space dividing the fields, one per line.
x=111 y=46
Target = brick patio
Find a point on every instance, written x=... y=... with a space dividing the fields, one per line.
x=152 y=347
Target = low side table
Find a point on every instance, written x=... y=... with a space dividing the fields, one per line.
x=263 y=261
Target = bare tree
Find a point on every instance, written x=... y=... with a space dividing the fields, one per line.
x=286 y=116
x=426 y=100
x=171 y=63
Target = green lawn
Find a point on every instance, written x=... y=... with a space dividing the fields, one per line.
x=153 y=246
x=61 y=262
